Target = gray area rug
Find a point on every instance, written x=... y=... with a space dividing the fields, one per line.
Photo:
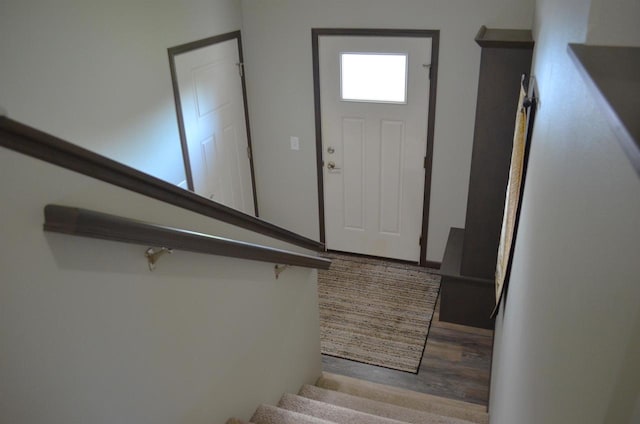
x=376 y=311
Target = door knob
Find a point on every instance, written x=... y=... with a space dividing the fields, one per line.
x=332 y=165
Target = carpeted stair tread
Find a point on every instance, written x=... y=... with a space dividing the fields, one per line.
x=237 y=421
x=330 y=412
x=405 y=398
x=378 y=408
x=267 y=414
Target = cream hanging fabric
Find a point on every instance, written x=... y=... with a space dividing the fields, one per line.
x=512 y=197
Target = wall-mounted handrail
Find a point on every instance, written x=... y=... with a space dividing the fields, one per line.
x=32 y=142
x=87 y=223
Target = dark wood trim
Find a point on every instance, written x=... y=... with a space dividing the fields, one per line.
x=504 y=38
x=435 y=49
x=318 y=122
x=433 y=264
x=377 y=32
x=31 y=142
x=194 y=45
x=181 y=133
x=86 y=223
x=246 y=119
x=431 y=120
x=613 y=76
x=198 y=44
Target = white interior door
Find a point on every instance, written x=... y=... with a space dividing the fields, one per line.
x=374 y=101
x=212 y=105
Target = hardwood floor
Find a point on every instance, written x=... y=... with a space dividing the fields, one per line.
x=455 y=364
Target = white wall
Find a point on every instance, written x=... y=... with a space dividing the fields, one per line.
x=567 y=343
x=89 y=335
x=97 y=73
x=612 y=23
x=277 y=42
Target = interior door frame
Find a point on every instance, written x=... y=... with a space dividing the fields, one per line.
x=414 y=33
x=194 y=45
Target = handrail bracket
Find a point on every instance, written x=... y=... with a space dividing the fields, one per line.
x=153 y=256
x=279 y=269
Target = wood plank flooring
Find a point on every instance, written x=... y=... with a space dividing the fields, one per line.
x=455 y=364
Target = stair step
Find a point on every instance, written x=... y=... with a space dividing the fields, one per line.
x=373 y=407
x=237 y=421
x=267 y=414
x=404 y=398
x=330 y=412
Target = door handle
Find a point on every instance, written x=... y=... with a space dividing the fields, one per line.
x=332 y=165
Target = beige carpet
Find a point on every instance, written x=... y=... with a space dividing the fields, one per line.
x=376 y=311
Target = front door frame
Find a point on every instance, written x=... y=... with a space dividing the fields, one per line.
x=194 y=45
x=415 y=33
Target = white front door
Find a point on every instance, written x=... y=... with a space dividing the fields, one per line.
x=212 y=104
x=374 y=104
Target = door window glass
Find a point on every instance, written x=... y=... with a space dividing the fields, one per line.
x=373 y=77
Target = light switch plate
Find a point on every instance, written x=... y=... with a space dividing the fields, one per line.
x=295 y=143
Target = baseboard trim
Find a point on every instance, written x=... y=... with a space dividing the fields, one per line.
x=433 y=264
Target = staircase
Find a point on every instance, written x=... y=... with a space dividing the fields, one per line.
x=336 y=399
